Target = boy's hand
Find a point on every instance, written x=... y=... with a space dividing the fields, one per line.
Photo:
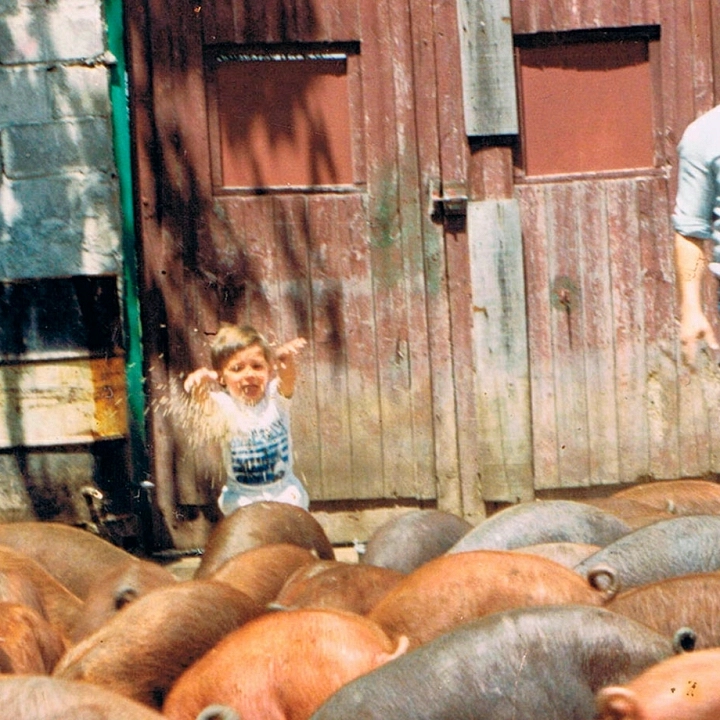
x=290 y=349
x=285 y=365
x=198 y=382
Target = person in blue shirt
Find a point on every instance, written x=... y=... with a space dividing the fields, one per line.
x=256 y=383
x=696 y=219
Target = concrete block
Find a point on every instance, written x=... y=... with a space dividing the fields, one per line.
x=56 y=148
x=60 y=226
x=78 y=91
x=24 y=96
x=55 y=31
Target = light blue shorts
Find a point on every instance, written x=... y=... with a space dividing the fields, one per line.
x=289 y=490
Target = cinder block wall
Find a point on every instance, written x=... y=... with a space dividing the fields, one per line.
x=59 y=209
x=59 y=206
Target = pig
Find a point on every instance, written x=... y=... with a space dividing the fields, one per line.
x=632 y=512
x=543 y=521
x=217 y=712
x=282 y=665
x=61 y=607
x=145 y=647
x=411 y=539
x=521 y=664
x=30 y=644
x=456 y=588
x=566 y=553
x=114 y=589
x=665 y=549
x=262 y=572
x=31 y=697
x=691 y=601
x=340 y=585
x=679 y=497
x=17 y=587
x=262 y=523
x=74 y=557
x=683 y=687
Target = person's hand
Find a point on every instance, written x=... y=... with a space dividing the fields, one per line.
x=695 y=328
x=285 y=365
x=288 y=350
x=198 y=382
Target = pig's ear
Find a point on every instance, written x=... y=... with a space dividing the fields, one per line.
x=402 y=647
x=617 y=703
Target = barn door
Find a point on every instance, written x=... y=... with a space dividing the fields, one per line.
x=280 y=185
x=611 y=401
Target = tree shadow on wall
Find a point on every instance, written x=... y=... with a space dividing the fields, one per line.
x=203 y=269
x=198 y=268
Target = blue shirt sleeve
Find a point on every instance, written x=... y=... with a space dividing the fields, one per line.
x=695 y=200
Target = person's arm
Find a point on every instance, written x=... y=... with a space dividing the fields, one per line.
x=286 y=367
x=690 y=266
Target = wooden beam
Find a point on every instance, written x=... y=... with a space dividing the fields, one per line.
x=62 y=402
x=502 y=385
x=488 y=68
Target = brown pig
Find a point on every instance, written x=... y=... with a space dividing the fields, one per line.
x=261 y=572
x=31 y=697
x=459 y=587
x=691 y=601
x=74 y=557
x=683 y=687
x=262 y=523
x=29 y=643
x=340 y=585
x=678 y=497
x=61 y=607
x=114 y=589
x=144 y=648
x=282 y=665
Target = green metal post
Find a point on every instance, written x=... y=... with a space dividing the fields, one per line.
x=123 y=160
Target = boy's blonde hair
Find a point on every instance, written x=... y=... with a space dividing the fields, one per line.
x=232 y=338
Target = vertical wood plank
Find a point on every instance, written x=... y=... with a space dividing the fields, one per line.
x=363 y=381
x=219 y=22
x=501 y=360
x=411 y=209
x=598 y=338
x=454 y=161
x=538 y=285
x=656 y=259
x=327 y=328
x=440 y=356
x=488 y=67
x=629 y=318
x=388 y=253
x=567 y=336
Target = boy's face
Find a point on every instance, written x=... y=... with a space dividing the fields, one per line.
x=246 y=374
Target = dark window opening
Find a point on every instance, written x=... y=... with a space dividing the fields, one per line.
x=60 y=317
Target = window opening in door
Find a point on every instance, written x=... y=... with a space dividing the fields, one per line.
x=587 y=100
x=283 y=118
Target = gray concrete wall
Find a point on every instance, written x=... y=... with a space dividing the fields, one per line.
x=59 y=204
x=59 y=201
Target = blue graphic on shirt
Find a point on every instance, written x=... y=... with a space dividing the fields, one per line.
x=262 y=456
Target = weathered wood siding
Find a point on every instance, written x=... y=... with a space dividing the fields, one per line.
x=611 y=401
x=406 y=391
x=384 y=406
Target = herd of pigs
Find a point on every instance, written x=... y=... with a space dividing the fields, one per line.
x=606 y=608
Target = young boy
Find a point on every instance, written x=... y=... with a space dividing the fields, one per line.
x=254 y=402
